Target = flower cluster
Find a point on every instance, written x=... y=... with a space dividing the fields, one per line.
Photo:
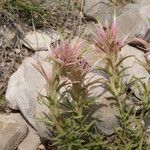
x=68 y=58
x=106 y=40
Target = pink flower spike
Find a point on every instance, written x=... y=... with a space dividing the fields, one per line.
x=106 y=40
x=66 y=53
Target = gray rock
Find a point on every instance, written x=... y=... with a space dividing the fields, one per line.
x=143 y=2
x=131 y=19
x=100 y=9
x=106 y=115
x=39 y=40
x=136 y=69
x=134 y=21
x=31 y=142
x=11 y=132
x=23 y=88
x=12 y=118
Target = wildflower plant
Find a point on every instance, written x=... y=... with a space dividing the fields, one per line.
x=130 y=134
x=69 y=97
x=68 y=101
x=144 y=92
x=108 y=47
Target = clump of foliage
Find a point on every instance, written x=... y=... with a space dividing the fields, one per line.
x=130 y=134
x=69 y=116
x=68 y=97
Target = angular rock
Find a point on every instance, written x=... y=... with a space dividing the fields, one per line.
x=23 y=87
x=136 y=69
x=11 y=134
x=106 y=115
x=134 y=21
x=12 y=118
x=28 y=143
x=31 y=142
x=39 y=40
x=102 y=10
x=143 y=2
x=42 y=147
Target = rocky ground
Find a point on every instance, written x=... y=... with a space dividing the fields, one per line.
x=19 y=80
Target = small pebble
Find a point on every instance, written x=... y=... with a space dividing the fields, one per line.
x=17 y=50
x=42 y=147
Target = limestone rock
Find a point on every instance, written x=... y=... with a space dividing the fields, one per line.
x=39 y=40
x=136 y=69
x=23 y=87
x=134 y=21
x=106 y=115
x=100 y=9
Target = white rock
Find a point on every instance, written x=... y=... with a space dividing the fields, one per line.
x=39 y=40
x=23 y=88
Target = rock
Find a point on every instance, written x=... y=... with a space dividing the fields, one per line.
x=28 y=143
x=12 y=118
x=42 y=147
x=102 y=10
x=11 y=132
x=106 y=115
x=143 y=2
x=136 y=69
x=17 y=50
x=31 y=142
x=39 y=40
x=134 y=21
x=23 y=87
